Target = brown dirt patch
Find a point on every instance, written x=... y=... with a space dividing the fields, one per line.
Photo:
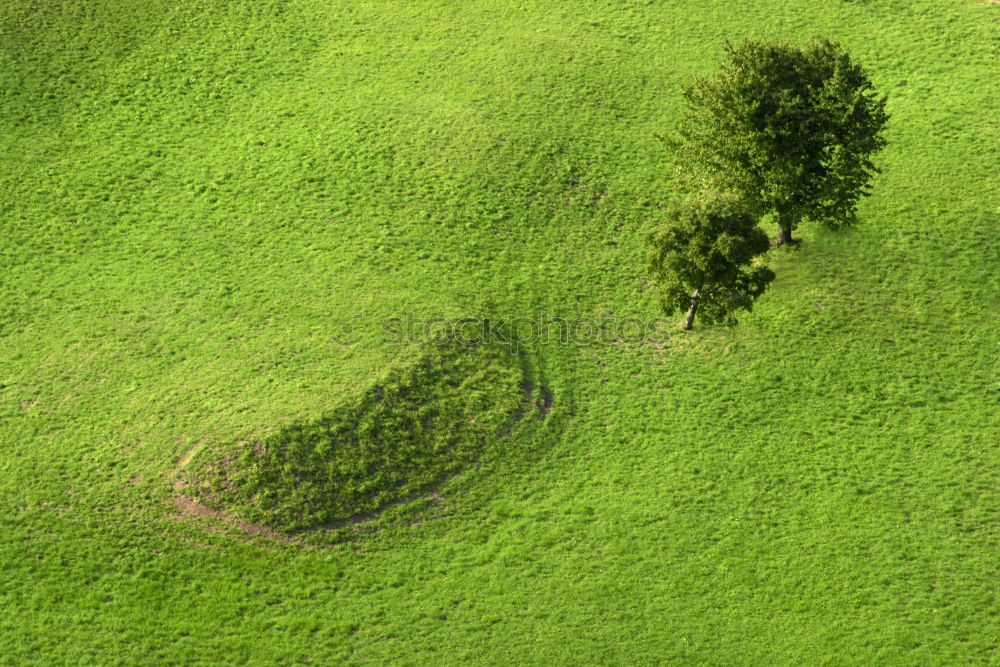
x=192 y=508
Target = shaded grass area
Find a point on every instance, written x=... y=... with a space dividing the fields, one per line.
x=196 y=197
x=422 y=424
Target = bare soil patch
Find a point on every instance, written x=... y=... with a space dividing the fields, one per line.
x=192 y=508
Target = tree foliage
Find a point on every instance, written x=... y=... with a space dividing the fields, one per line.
x=702 y=258
x=791 y=130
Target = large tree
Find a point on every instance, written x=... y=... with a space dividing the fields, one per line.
x=703 y=258
x=792 y=130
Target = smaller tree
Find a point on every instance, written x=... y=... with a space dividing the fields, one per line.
x=702 y=259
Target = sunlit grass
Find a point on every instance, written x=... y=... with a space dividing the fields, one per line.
x=196 y=198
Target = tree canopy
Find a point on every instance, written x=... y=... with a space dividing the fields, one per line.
x=791 y=130
x=702 y=258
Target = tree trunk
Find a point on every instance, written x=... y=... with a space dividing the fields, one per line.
x=689 y=318
x=785 y=224
x=784 y=236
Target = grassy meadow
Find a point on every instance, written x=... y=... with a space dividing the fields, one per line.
x=199 y=201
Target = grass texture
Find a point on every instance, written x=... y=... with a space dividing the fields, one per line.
x=198 y=200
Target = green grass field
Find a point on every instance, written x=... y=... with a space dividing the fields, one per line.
x=197 y=198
